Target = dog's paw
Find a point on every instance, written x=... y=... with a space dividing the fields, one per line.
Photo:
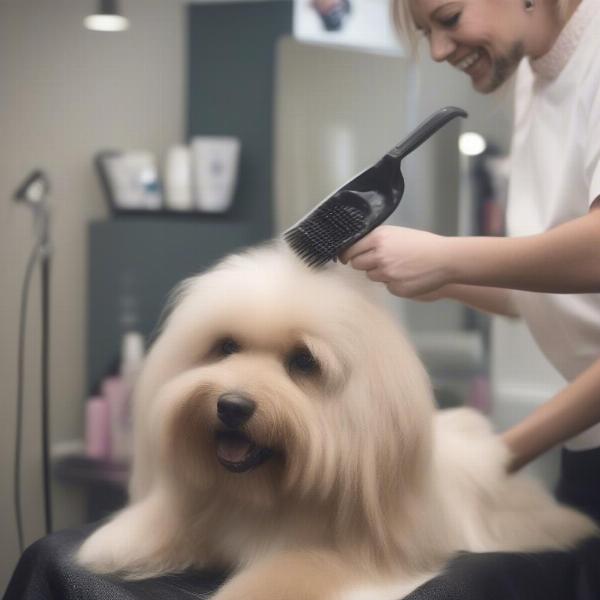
x=263 y=593
x=311 y=574
x=100 y=552
x=112 y=550
x=141 y=541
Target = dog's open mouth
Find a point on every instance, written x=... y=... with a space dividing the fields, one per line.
x=237 y=453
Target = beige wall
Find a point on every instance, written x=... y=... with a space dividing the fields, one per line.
x=66 y=92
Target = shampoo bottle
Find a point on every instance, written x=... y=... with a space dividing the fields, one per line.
x=118 y=391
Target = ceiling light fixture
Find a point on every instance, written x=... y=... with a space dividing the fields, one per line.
x=106 y=18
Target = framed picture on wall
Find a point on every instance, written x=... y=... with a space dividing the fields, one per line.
x=358 y=24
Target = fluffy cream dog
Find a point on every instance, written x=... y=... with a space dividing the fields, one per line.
x=285 y=430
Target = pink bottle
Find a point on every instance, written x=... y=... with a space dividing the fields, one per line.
x=116 y=393
x=97 y=440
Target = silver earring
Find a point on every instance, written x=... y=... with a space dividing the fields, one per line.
x=529 y=4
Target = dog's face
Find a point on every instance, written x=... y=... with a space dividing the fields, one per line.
x=273 y=381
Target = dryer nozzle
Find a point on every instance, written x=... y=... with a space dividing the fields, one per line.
x=34 y=189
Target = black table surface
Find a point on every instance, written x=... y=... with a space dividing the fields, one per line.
x=46 y=571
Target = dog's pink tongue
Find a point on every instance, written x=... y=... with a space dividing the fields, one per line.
x=233 y=450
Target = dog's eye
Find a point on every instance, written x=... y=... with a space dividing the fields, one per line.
x=227 y=346
x=302 y=361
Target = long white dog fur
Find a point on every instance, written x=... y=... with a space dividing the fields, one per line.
x=352 y=485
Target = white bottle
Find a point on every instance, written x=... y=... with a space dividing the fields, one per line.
x=215 y=169
x=178 y=179
x=132 y=356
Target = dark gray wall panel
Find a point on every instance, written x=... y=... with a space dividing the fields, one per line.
x=231 y=88
x=142 y=259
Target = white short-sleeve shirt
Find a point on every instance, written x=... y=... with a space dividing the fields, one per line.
x=555 y=177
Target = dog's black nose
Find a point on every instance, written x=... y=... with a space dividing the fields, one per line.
x=234 y=409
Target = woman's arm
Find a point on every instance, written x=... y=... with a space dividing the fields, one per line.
x=573 y=410
x=496 y=301
x=565 y=259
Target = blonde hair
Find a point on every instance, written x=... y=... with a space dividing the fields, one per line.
x=404 y=22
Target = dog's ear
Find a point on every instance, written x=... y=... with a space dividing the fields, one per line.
x=380 y=434
x=401 y=411
x=404 y=408
x=167 y=356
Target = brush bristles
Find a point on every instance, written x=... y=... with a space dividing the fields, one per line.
x=324 y=233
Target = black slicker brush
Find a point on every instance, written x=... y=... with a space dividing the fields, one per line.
x=363 y=203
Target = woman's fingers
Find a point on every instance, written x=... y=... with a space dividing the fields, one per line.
x=361 y=247
x=365 y=261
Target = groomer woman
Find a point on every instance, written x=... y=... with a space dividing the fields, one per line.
x=548 y=270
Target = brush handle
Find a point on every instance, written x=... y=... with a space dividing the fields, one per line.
x=425 y=130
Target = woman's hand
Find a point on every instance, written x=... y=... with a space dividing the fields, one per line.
x=562 y=260
x=572 y=410
x=410 y=262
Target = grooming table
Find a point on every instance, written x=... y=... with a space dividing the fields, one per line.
x=46 y=572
